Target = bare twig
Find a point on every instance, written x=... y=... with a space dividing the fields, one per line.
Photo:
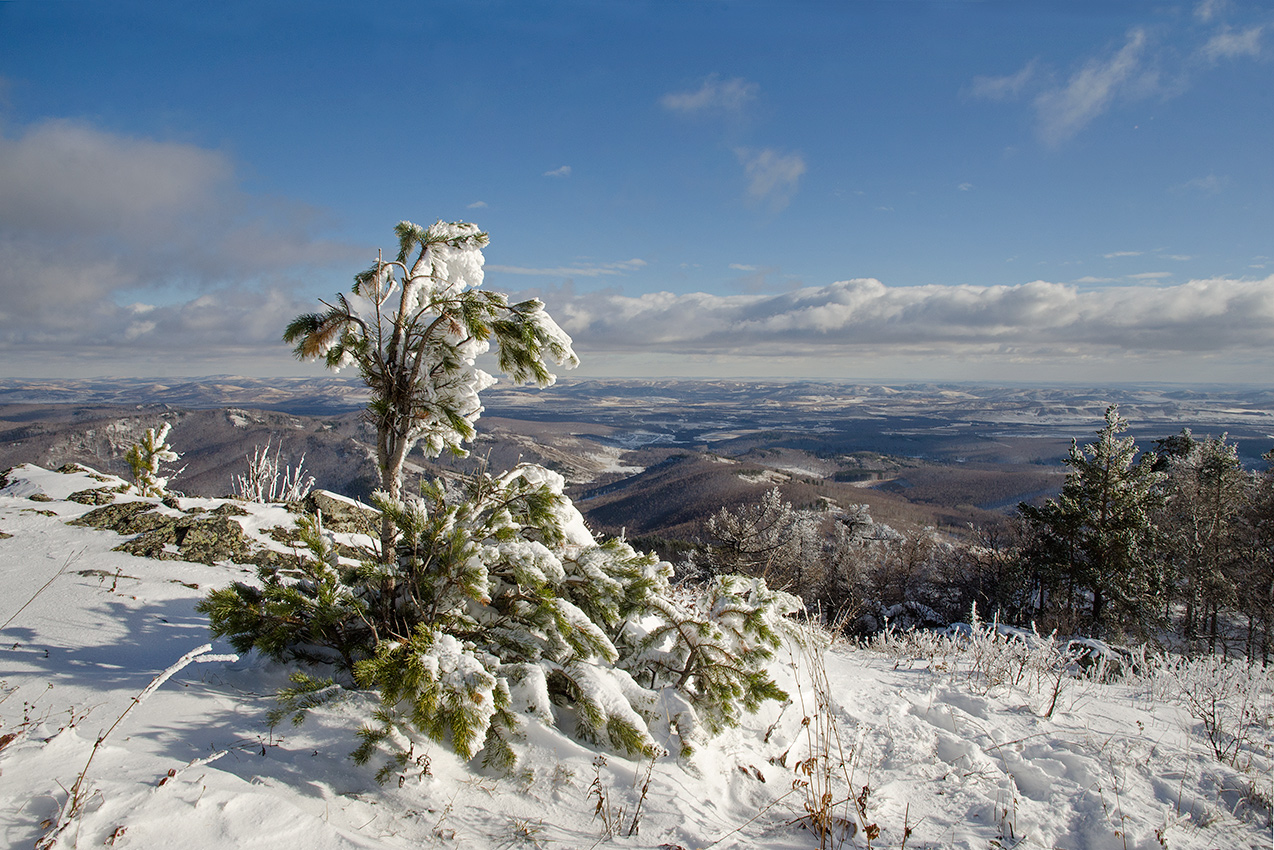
x=70 y=559
x=77 y=796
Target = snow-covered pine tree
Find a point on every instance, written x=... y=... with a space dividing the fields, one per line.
x=488 y=604
x=147 y=456
x=414 y=327
x=310 y=608
x=1099 y=534
x=712 y=646
x=1206 y=490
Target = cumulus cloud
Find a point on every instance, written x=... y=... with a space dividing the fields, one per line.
x=713 y=95
x=773 y=177
x=90 y=220
x=563 y=171
x=864 y=316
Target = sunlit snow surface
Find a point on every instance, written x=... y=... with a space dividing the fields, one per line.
x=87 y=628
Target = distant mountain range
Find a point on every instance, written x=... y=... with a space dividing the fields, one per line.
x=650 y=457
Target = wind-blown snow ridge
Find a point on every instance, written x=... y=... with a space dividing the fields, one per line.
x=963 y=764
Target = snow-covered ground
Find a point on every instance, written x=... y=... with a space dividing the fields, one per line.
x=906 y=742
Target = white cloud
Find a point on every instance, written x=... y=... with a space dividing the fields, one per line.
x=1229 y=45
x=563 y=171
x=773 y=177
x=1209 y=9
x=93 y=220
x=478 y=205
x=965 y=187
x=863 y=316
x=740 y=267
x=1003 y=88
x=714 y=94
x=578 y=270
x=1209 y=185
x=1063 y=112
x=1141 y=67
x=1113 y=254
x=1149 y=276
x=1091 y=279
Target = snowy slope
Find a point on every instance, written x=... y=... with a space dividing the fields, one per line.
x=941 y=752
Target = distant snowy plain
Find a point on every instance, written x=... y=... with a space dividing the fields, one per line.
x=929 y=756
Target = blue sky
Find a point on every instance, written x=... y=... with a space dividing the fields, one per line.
x=880 y=190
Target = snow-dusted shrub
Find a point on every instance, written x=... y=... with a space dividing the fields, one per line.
x=713 y=643
x=147 y=456
x=309 y=610
x=1232 y=700
x=990 y=656
x=269 y=480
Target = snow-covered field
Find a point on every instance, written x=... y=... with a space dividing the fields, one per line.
x=918 y=750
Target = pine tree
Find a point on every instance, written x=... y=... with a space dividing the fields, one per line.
x=414 y=326
x=712 y=645
x=1256 y=564
x=1098 y=535
x=1206 y=489
x=146 y=458
x=488 y=604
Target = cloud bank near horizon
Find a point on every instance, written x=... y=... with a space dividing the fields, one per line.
x=867 y=321
x=121 y=255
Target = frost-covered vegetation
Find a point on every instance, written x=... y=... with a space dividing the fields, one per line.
x=1172 y=546
x=485 y=602
x=147 y=458
x=269 y=479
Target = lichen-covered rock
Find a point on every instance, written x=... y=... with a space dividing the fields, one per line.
x=205 y=539
x=228 y=509
x=95 y=496
x=283 y=534
x=212 y=539
x=121 y=517
x=341 y=514
x=200 y=535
